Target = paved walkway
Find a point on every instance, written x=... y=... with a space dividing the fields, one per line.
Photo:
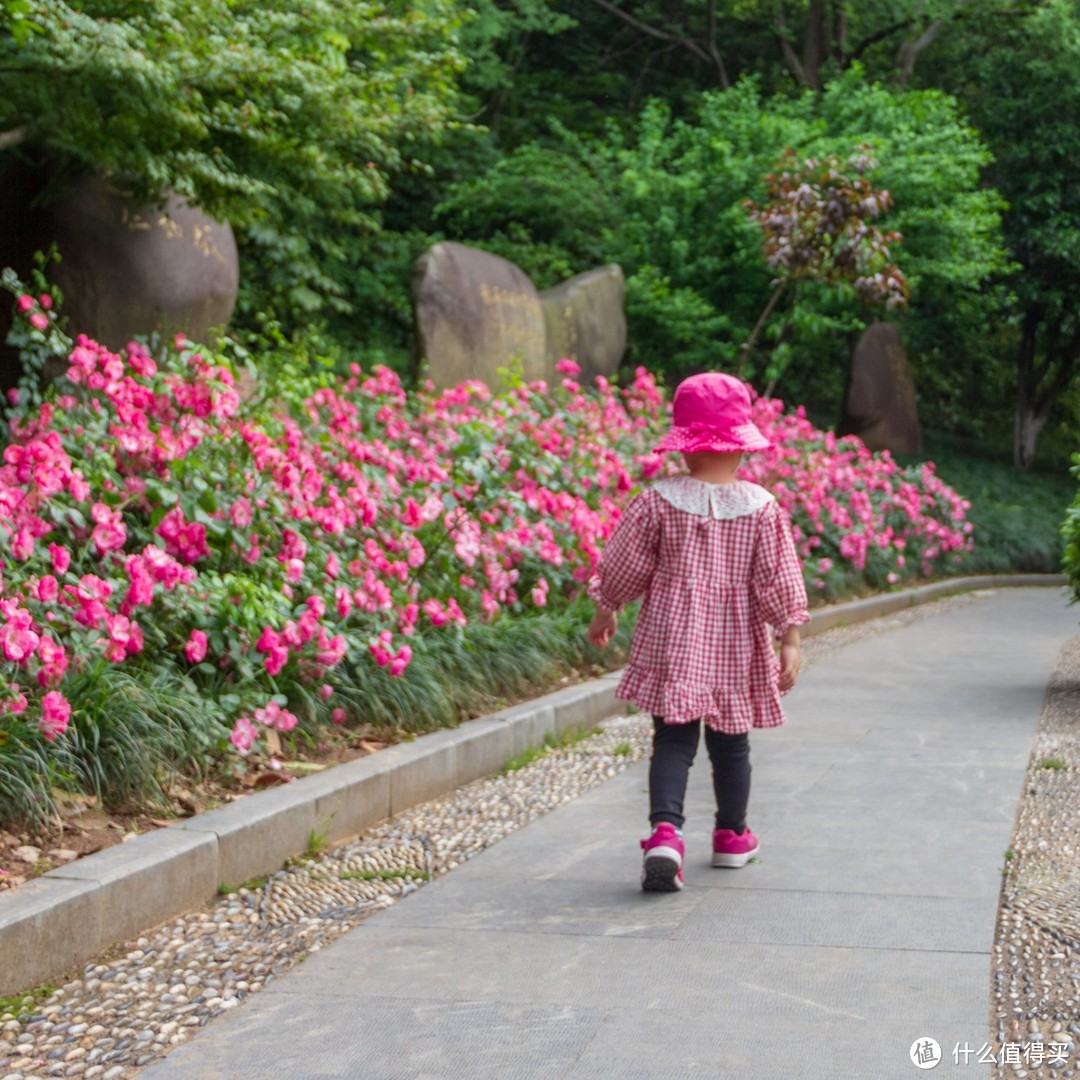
x=884 y=810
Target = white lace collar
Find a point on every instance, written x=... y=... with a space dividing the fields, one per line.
x=718 y=501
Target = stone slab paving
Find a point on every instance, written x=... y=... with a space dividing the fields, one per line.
x=884 y=808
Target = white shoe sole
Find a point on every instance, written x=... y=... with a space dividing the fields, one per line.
x=734 y=861
x=660 y=870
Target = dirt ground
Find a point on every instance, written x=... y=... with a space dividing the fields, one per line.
x=84 y=826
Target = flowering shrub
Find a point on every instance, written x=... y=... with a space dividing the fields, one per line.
x=857 y=517
x=291 y=566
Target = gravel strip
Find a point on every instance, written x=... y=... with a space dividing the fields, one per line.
x=1035 y=995
x=128 y=1009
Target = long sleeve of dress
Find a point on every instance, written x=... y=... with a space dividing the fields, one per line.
x=776 y=577
x=629 y=557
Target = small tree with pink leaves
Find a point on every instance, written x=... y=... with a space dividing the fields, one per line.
x=817 y=225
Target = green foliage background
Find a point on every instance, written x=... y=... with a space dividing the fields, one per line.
x=341 y=139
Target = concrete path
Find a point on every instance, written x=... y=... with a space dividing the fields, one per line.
x=884 y=810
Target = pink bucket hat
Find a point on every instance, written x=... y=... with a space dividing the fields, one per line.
x=711 y=412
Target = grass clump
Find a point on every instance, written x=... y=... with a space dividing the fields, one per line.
x=384 y=875
x=23 y=1004
x=551 y=742
x=251 y=885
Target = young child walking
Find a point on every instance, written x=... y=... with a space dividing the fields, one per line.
x=713 y=559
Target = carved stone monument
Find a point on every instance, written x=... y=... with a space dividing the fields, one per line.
x=125 y=271
x=585 y=321
x=880 y=407
x=475 y=313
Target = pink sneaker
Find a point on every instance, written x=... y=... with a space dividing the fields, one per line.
x=731 y=849
x=661 y=869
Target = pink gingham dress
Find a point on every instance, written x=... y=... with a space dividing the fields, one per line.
x=717 y=568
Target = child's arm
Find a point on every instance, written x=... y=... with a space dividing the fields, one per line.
x=789 y=658
x=602 y=628
x=778 y=584
x=625 y=568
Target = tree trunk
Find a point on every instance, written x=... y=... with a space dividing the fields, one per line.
x=910 y=50
x=1025 y=428
x=816 y=46
x=1039 y=386
x=12 y=138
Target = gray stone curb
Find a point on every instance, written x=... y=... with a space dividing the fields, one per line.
x=53 y=924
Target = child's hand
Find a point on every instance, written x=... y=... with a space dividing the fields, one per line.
x=602 y=628
x=789 y=665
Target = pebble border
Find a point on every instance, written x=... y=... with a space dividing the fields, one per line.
x=1035 y=987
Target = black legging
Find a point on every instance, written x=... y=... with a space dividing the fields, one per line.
x=674 y=748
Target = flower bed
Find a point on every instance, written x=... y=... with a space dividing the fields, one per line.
x=185 y=570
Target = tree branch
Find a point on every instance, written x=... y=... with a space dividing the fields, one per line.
x=709 y=55
x=790 y=56
x=12 y=138
x=714 y=52
x=909 y=51
x=874 y=38
x=645 y=28
x=1044 y=400
x=744 y=349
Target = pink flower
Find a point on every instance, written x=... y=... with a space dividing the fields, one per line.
x=434 y=610
x=17 y=640
x=14 y=704
x=54 y=661
x=338 y=716
x=195 y=649
x=61 y=558
x=25 y=302
x=22 y=544
x=241 y=513
x=109 y=532
x=243 y=735
x=55 y=714
x=185 y=540
x=39 y=321
x=47 y=589
x=401 y=661
x=273 y=715
x=331 y=649
x=125 y=638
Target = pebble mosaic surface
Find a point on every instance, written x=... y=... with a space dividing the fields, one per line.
x=1035 y=994
x=129 y=1008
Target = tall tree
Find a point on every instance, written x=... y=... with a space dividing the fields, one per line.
x=290 y=121
x=1019 y=73
x=813 y=39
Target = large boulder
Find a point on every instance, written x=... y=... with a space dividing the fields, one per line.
x=475 y=313
x=126 y=271
x=880 y=406
x=585 y=321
